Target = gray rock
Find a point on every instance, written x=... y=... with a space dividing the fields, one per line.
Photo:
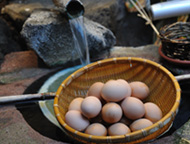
x=148 y=52
x=49 y=34
x=19 y=11
x=100 y=11
x=128 y=28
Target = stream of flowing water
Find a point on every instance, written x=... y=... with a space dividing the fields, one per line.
x=80 y=39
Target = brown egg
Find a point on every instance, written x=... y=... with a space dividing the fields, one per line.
x=133 y=108
x=140 y=124
x=96 y=129
x=114 y=91
x=111 y=112
x=76 y=104
x=76 y=120
x=95 y=89
x=128 y=87
x=152 y=112
x=91 y=106
x=118 y=129
x=139 y=90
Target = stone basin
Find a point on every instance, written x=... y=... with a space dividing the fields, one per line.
x=23 y=72
x=44 y=109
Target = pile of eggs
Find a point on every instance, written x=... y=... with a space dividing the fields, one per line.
x=113 y=108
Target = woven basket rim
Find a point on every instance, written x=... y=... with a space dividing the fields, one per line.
x=166 y=27
x=176 y=61
x=151 y=129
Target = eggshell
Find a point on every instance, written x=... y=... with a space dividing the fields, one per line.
x=114 y=91
x=152 y=112
x=140 y=124
x=96 y=129
x=95 y=89
x=133 y=108
x=76 y=104
x=118 y=129
x=126 y=84
x=111 y=112
x=76 y=120
x=139 y=89
x=91 y=106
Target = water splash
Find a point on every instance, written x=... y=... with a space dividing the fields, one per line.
x=80 y=39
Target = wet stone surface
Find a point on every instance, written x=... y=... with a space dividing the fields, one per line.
x=14 y=129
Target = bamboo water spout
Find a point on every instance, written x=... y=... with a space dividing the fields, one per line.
x=73 y=8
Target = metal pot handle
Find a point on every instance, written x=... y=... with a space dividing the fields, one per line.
x=51 y=95
x=182 y=77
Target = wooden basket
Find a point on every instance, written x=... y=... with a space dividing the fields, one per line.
x=164 y=91
x=176 y=40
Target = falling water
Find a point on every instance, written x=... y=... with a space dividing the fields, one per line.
x=80 y=39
